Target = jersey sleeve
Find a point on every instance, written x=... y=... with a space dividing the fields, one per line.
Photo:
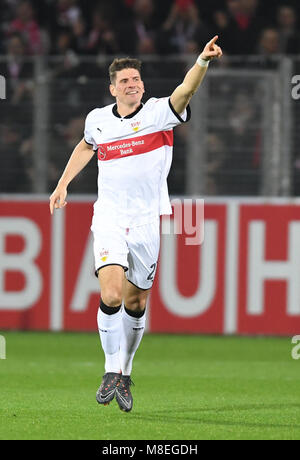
x=166 y=116
x=88 y=129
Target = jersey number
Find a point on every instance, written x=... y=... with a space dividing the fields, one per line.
x=151 y=274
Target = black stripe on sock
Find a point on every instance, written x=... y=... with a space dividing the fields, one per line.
x=135 y=314
x=109 y=310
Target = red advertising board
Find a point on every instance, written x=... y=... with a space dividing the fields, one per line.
x=243 y=279
x=188 y=293
x=81 y=296
x=269 y=269
x=25 y=253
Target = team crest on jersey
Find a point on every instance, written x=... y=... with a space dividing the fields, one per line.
x=104 y=254
x=135 y=126
x=101 y=152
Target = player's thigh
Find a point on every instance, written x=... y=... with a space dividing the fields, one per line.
x=110 y=247
x=110 y=253
x=111 y=279
x=143 y=253
x=134 y=297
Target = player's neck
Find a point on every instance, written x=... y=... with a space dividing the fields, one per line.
x=125 y=110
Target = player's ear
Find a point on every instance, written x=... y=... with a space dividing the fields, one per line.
x=112 y=90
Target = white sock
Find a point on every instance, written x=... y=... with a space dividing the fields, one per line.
x=132 y=331
x=109 y=330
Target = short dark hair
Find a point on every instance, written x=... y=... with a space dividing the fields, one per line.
x=123 y=63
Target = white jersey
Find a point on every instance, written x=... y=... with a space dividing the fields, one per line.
x=134 y=159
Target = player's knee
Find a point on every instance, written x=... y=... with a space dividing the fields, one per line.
x=112 y=297
x=136 y=303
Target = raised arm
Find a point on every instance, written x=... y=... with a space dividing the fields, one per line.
x=182 y=95
x=80 y=157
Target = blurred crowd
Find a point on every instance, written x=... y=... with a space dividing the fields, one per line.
x=70 y=29
x=149 y=26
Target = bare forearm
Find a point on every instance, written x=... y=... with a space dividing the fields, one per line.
x=80 y=157
x=193 y=79
x=184 y=92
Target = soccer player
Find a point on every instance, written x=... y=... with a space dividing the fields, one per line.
x=134 y=143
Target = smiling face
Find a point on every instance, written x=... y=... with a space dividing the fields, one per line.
x=127 y=87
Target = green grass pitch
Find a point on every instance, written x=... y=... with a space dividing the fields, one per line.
x=186 y=388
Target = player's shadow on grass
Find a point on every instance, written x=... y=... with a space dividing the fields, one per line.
x=183 y=415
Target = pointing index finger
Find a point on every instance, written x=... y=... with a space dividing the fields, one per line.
x=213 y=40
x=51 y=204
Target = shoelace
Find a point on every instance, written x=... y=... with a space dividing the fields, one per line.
x=107 y=385
x=123 y=384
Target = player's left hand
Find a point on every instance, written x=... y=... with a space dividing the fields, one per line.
x=211 y=50
x=58 y=198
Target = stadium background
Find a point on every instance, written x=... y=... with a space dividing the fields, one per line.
x=239 y=153
x=209 y=367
